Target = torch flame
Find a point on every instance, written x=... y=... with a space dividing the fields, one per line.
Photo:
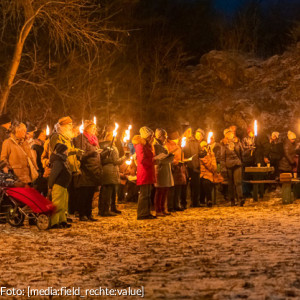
x=95 y=120
x=127 y=134
x=183 y=142
x=115 y=132
x=47 y=130
x=81 y=128
x=210 y=135
x=255 y=128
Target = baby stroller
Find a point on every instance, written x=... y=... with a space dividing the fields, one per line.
x=18 y=202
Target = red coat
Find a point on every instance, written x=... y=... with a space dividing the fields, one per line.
x=145 y=163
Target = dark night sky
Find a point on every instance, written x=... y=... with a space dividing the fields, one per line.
x=230 y=6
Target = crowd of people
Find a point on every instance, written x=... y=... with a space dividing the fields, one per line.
x=154 y=168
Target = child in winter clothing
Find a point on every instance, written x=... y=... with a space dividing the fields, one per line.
x=59 y=179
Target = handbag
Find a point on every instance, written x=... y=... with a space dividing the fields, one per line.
x=34 y=174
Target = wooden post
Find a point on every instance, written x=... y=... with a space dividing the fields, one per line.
x=287 y=197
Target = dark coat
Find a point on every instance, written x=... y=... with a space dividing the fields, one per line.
x=288 y=161
x=192 y=148
x=262 y=150
x=91 y=168
x=60 y=171
x=231 y=154
x=39 y=149
x=111 y=161
x=275 y=151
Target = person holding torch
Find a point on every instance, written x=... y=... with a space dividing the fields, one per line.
x=91 y=170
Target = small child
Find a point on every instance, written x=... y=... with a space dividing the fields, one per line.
x=59 y=179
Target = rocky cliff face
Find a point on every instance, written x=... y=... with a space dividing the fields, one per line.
x=230 y=88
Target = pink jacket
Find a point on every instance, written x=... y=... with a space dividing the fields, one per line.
x=145 y=163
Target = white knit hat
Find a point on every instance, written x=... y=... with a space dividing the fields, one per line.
x=275 y=135
x=145 y=132
x=291 y=135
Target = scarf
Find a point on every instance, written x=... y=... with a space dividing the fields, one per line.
x=93 y=140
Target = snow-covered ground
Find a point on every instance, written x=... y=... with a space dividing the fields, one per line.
x=251 y=252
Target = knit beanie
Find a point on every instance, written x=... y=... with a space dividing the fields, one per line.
x=159 y=133
x=203 y=144
x=145 y=132
x=275 y=135
x=65 y=121
x=88 y=123
x=60 y=148
x=291 y=135
x=201 y=131
x=226 y=131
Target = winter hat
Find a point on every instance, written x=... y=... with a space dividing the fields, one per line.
x=159 y=133
x=4 y=119
x=275 y=135
x=203 y=144
x=291 y=135
x=145 y=132
x=88 y=123
x=37 y=134
x=65 y=121
x=201 y=131
x=174 y=135
x=227 y=130
x=60 y=148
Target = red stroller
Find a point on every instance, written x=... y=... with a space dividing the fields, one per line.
x=18 y=202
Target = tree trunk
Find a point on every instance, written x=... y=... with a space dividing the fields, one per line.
x=15 y=62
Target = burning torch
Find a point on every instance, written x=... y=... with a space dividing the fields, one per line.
x=183 y=144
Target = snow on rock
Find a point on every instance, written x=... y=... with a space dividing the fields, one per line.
x=233 y=88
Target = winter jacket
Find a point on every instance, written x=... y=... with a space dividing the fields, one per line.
x=110 y=166
x=60 y=171
x=38 y=147
x=262 y=149
x=288 y=161
x=145 y=163
x=74 y=163
x=275 y=151
x=178 y=169
x=208 y=166
x=17 y=160
x=231 y=154
x=163 y=172
x=91 y=168
x=192 y=148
